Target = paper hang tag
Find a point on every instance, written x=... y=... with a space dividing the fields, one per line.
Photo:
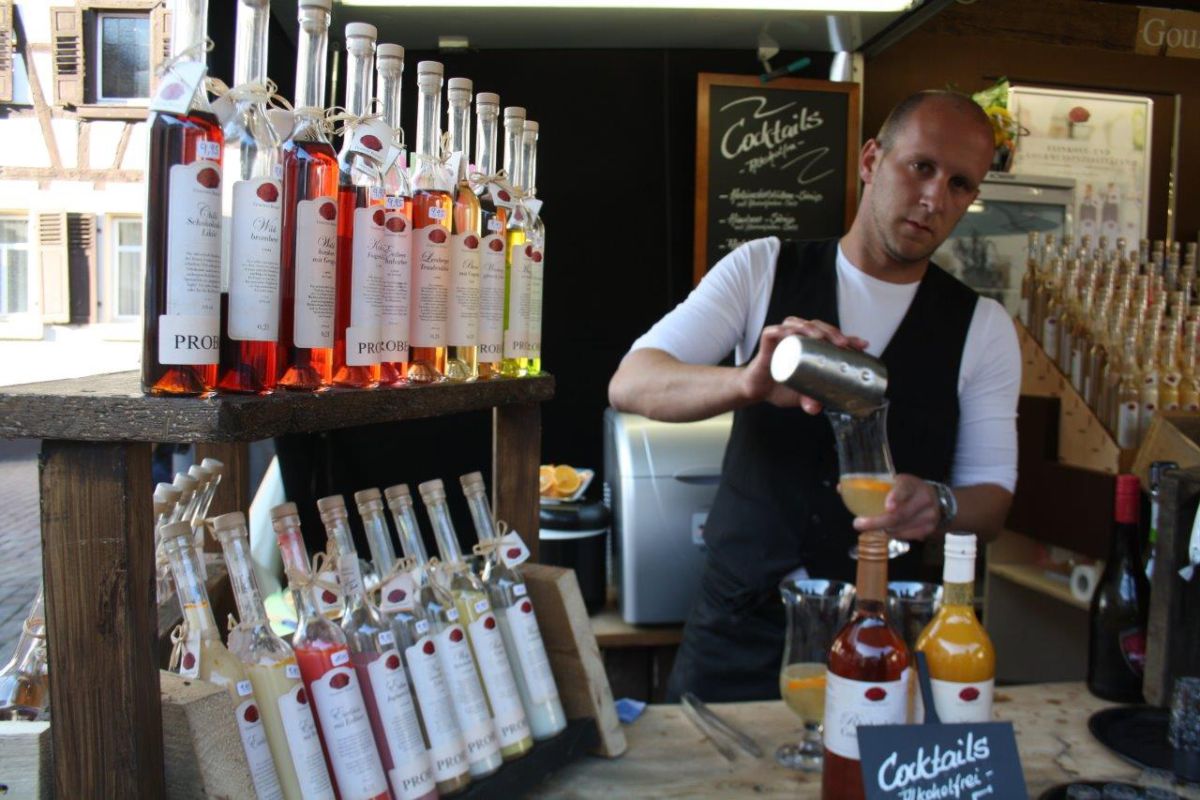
x=189 y=662
x=328 y=601
x=178 y=87
x=1193 y=552
x=396 y=157
x=534 y=205
x=371 y=138
x=501 y=194
x=513 y=551
x=454 y=164
x=398 y=593
x=223 y=107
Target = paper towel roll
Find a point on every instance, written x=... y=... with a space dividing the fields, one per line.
x=1083 y=582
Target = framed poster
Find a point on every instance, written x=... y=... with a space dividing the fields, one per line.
x=1100 y=140
x=775 y=159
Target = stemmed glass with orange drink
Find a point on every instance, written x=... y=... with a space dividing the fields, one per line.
x=816 y=611
x=865 y=464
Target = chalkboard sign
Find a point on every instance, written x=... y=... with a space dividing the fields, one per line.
x=772 y=160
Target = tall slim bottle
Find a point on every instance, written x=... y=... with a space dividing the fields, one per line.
x=182 y=298
x=518 y=622
x=24 y=680
x=962 y=661
x=253 y=221
x=414 y=634
x=361 y=215
x=386 y=689
x=397 y=235
x=329 y=676
x=487 y=642
x=516 y=265
x=470 y=703
x=271 y=667
x=432 y=220
x=462 y=323
x=867 y=681
x=493 y=219
x=310 y=181
x=535 y=250
x=212 y=662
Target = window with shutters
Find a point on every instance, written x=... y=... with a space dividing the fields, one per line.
x=106 y=55
x=122 y=54
x=14 y=265
x=126 y=266
x=8 y=48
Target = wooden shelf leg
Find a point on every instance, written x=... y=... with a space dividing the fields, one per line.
x=516 y=453
x=98 y=565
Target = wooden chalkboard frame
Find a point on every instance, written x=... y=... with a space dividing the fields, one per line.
x=705 y=82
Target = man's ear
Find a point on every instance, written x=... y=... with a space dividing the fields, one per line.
x=868 y=160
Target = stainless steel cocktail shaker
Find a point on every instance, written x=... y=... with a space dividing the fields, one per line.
x=840 y=378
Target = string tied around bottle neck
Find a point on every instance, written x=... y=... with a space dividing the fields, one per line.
x=265 y=94
x=500 y=178
x=492 y=546
x=191 y=53
x=398 y=567
x=304 y=581
x=342 y=122
x=29 y=627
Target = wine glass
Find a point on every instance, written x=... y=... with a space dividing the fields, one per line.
x=816 y=611
x=865 y=465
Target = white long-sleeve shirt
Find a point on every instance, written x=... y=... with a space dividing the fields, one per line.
x=728 y=310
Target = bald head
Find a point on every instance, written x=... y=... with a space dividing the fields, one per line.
x=972 y=116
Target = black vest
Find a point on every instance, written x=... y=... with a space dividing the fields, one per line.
x=777 y=506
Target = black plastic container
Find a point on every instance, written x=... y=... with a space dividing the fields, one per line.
x=575 y=535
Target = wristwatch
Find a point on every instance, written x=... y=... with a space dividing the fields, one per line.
x=947 y=503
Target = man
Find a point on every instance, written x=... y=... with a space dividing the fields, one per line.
x=954 y=376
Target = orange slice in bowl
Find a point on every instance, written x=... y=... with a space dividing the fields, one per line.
x=546 y=482
x=566 y=480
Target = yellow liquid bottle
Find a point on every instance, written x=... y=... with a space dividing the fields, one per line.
x=962 y=661
x=518 y=256
x=492 y=256
x=537 y=238
x=462 y=323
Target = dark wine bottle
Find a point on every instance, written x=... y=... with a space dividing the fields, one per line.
x=1120 y=605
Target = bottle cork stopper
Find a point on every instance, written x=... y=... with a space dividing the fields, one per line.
x=460 y=84
x=282 y=510
x=366 y=496
x=388 y=50
x=214 y=466
x=487 y=99
x=397 y=495
x=432 y=491
x=516 y=112
x=234 y=519
x=472 y=482
x=429 y=68
x=331 y=504
x=175 y=530
x=183 y=482
x=166 y=493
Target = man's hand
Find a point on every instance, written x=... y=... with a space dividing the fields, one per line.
x=757 y=383
x=912 y=511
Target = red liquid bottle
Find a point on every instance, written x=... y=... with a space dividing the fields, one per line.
x=361 y=217
x=868 y=677
x=330 y=679
x=251 y=201
x=397 y=278
x=309 y=246
x=493 y=221
x=462 y=323
x=182 y=314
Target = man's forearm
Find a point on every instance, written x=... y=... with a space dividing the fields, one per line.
x=982 y=510
x=656 y=385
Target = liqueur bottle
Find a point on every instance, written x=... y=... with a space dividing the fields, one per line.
x=962 y=661
x=330 y=679
x=385 y=685
x=361 y=215
x=462 y=322
x=1158 y=469
x=867 y=680
x=483 y=629
x=516 y=265
x=252 y=203
x=206 y=658
x=433 y=210
x=470 y=703
x=310 y=182
x=1120 y=606
x=397 y=234
x=414 y=634
x=271 y=667
x=24 y=680
x=1029 y=279
x=493 y=220
x=518 y=621
x=182 y=314
x=535 y=249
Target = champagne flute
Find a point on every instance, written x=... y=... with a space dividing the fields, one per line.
x=816 y=611
x=865 y=465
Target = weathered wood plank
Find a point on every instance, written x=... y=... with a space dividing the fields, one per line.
x=1172 y=637
x=25 y=765
x=111 y=408
x=516 y=453
x=203 y=748
x=97 y=556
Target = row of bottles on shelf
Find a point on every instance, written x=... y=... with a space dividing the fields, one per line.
x=410 y=692
x=1122 y=326
x=275 y=263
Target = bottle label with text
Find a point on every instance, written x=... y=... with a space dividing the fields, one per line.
x=258 y=751
x=366 y=287
x=254 y=261
x=957 y=701
x=430 y=287
x=470 y=704
x=850 y=704
x=190 y=330
x=316 y=267
x=536 y=275
x=523 y=632
x=411 y=775
x=397 y=277
x=304 y=744
x=348 y=738
x=462 y=324
x=447 y=752
x=491 y=298
x=509 y=715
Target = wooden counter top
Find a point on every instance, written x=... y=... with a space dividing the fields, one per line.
x=669 y=758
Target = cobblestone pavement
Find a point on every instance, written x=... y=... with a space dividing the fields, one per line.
x=20 y=538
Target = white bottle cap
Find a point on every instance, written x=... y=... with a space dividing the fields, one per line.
x=960 y=558
x=327 y=5
x=487 y=99
x=390 y=51
x=459 y=83
x=429 y=68
x=514 y=111
x=531 y=126
x=361 y=29
x=960 y=545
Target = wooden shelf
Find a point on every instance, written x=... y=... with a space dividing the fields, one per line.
x=612 y=632
x=112 y=408
x=1035 y=578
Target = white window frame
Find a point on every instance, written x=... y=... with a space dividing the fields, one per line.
x=99 y=45
x=113 y=270
x=31 y=275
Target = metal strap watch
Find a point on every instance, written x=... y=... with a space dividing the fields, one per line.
x=947 y=502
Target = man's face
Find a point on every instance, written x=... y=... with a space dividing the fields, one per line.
x=917 y=191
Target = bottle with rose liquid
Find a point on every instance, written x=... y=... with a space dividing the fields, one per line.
x=385 y=685
x=462 y=320
x=330 y=680
x=361 y=215
x=867 y=680
x=251 y=202
x=518 y=622
x=206 y=658
x=24 y=680
x=414 y=636
x=271 y=667
x=458 y=664
x=397 y=234
x=535 y=250
x=182 y=296
x=516 y=265
x=493 y=219
x=962 y=661
x=310 y=182
x=483 y=629
x=433 y=210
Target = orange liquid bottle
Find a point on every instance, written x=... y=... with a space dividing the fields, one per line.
x=493 y=221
